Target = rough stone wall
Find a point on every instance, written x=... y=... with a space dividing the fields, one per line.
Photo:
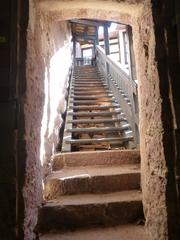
x=156 y=121
x=44 y=40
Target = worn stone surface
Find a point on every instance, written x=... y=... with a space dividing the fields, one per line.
x=125 y=232
x=90 y=210
x=156 y=125
x=101 y=158
x=92 y=180
x=122 y=11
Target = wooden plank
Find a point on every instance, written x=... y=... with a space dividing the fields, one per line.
x=93 y=107
x=87 y=22
x=99 y=95
x=98 y=140
x=106 y=39
x=89 y=97
x=95 y=130
x=103 y=120
x=90 y=92
x=85 y=88
x=93 y=101
x=91 y=114
x=89 y=85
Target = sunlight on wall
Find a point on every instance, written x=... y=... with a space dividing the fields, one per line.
x=55 y=89
x=45 y=117
x=59 y=69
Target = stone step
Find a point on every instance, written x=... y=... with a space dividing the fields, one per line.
x=92 y=180
x=122 y=232
x=95 y=158
x=77 y=211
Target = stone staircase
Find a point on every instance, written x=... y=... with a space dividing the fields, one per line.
x=90 y=190
x=94 y=120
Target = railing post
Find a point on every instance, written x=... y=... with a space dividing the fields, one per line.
x=106 y=39
x=131 y=84
x=97 y=36
x=74 y=51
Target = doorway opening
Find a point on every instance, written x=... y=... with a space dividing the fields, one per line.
x=45 y=22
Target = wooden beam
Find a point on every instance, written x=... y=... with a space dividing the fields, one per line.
x=97 y=140
x=74 y=50
x=106 y=40
x=97 y=130
x=101 y=120
x=97 y=36
x=84 y=36
x=89 y=22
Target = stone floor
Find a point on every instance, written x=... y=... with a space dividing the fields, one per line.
x=126 y=232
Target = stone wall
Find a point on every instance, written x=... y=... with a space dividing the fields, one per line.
x=153 y=37
x=158 y=145
x=46 y=43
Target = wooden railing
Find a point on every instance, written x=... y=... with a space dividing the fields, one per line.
x=121 y=85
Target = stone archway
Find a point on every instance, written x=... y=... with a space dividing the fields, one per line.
x=153 y=137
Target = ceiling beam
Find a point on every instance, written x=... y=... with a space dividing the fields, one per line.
x=90 y=22
x=84 y=36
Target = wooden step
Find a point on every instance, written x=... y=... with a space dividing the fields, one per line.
x=110 y=140
x=89 y=85
x=87 y=75
x=91 y=114
x=87 y=210
x=93 y=101
x=95 y=158
x=91 y=96
x=90 y=92
x=89 y=88
x=93 y=107
x=87 y=81
x=92 y=121
x=100 y=129
x=92 y=180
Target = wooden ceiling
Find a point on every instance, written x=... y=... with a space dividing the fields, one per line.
x=85 y=31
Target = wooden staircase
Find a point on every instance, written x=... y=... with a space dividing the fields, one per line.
x=94 y=120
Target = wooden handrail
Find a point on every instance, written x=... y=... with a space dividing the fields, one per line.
x=119 y=83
